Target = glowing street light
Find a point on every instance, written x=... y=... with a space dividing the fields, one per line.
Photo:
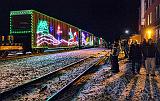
x=127 y=31
x=149 y=33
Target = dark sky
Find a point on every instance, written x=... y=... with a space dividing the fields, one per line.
x=105 y=18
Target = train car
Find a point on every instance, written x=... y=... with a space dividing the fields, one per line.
x=104 y=43
x=38 y=31
x=86 y=39
x=96 y=41
x=33 y=31
x=7 y=45
x=100 y=42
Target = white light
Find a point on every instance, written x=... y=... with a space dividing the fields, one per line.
x=127 y=31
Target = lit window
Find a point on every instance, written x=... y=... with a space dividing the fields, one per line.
x=150 y=21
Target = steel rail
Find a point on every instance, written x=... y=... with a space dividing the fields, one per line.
x=37 y=80
x=56 y=95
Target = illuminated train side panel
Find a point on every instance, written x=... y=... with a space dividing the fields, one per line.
x=96 y=41
x=39 y=31
x=100 y=42
x=86 y=39
x=52 y=33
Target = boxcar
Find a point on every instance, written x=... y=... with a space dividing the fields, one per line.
x=7 y=45
x=86 y=39
x=96 y=41
x=38 y=31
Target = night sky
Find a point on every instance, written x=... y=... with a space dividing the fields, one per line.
x=104 y=18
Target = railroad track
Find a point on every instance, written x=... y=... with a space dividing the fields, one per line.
x=71 y=89
x=24 y=71
x=41 y=82
x=70 y=92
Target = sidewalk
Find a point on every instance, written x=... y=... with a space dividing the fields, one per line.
x=123 y=86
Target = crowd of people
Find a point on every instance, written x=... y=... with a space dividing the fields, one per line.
x=145 y=54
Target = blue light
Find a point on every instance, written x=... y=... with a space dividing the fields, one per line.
x=51 y=28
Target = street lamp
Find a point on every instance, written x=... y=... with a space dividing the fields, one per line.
x=126 y=31
x=149 y=33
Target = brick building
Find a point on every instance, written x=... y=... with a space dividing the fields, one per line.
x=149 y=23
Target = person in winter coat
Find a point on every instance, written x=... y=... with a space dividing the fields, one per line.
x=143 y=45
x=150 y=52
x=136 y=57
x=114 y=58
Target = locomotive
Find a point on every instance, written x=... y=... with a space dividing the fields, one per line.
x=33 y=31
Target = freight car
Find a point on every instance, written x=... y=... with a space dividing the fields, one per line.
x=7 y=45
x=86 y=39
x=37 y=32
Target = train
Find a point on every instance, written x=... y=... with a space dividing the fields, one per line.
x=35 y=32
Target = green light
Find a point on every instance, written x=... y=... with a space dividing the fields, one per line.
x=22 y=12
x=21 y=32
x=10 y=25
x=43 y=27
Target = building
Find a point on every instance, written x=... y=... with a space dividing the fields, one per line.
x=149 y=23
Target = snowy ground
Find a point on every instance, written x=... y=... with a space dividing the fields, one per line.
x=55 y=84
x=124 y=86
x=19 y=71
x=103 y=85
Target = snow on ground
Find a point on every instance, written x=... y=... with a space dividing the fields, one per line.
x=18 y=71
x=123 y=86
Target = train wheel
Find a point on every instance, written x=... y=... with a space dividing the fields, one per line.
x=0 y=54
x=42 y=50
x=4 y=54
x=33 y=51
x=24 y=52
x=38 y=51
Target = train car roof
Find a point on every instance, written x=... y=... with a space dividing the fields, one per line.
x=22 y=12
